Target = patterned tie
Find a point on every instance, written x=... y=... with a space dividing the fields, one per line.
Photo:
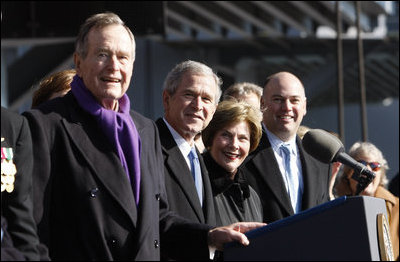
x=292 y=180
x=196 y=173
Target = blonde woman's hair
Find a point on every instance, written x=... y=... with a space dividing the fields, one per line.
x=229 y=112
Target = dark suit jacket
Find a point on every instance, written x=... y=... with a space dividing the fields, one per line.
x=16 y=206
x=85 y=204
x=8 y=251
x=180 y=187
x=263 y=174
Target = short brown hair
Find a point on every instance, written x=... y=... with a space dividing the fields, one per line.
x=54 y=83
x=229 y=112
x=243 y=88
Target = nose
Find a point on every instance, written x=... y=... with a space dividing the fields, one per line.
x=286 y=105
x=235 y=142
x=113 y=63
x=197 y=102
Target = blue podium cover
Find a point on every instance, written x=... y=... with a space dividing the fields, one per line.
x=341 y=229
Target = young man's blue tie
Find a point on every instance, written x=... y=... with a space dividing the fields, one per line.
x=292 y=181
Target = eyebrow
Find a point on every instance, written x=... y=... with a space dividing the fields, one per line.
x=292 y=96
x=239 y=134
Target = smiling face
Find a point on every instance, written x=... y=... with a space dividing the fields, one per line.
x=284 y=105
x=231 y=146
x=107 y=68
x=190 y=109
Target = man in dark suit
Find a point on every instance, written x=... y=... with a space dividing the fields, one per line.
x=98 y=174
x=286 y=181
x=19 y=239
x=191 y=93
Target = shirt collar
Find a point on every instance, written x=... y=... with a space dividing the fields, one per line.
x=276 y=142
x=184 y=146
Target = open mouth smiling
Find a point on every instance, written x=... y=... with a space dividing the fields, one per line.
x=232 y=156
x=110 y=79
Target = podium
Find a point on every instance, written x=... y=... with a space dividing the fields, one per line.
x=343 y=229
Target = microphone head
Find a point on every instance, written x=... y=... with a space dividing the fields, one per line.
x=322 y=145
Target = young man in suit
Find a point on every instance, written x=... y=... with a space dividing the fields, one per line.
x=98 y=170
x=287 y=179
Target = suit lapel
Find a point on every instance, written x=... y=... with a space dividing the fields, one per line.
x=101 y=159
x=208 y=201
x=268 y=168
x=176 y=163
x=309 y=173
x=148 y=187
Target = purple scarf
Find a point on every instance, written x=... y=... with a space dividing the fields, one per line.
x=118 y=128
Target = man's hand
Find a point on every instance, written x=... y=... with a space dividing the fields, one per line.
x=219 y=236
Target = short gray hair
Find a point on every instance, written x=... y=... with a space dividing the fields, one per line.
x=369 y=149
x=240 y=89
x=98 y=21
x=174 y=77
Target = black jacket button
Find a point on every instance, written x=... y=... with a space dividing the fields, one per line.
x=94 y=191
x=156 y=244
x=158 y=197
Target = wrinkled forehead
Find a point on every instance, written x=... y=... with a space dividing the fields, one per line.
x=111 y=32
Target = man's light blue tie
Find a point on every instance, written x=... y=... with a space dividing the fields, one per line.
x=196 y=173
x=292 y=180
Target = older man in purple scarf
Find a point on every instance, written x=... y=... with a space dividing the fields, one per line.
x=98 y=170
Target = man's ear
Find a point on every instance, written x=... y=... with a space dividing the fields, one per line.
x=262 y=104
x=77 y=61
x=166 y=96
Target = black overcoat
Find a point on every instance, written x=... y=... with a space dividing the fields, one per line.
x=263 y=174
x=85 y=204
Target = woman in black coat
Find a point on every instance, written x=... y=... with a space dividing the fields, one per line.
x=232 y=134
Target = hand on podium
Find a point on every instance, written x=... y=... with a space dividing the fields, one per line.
x=219 y=236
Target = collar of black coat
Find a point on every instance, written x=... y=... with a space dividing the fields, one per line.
x=219 y=177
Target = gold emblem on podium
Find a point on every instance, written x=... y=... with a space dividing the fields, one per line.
x=385 y=243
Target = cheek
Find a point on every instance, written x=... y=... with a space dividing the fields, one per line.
x=377 y=179
x=215 y=149
x=128 y=72
x=209 y=110
x=273 y=109
x=219 y=143
x=245 y=148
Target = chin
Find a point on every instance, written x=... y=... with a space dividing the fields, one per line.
x=193 y=129
x=230 y=168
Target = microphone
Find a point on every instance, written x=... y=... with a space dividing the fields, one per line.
x=327 y=148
